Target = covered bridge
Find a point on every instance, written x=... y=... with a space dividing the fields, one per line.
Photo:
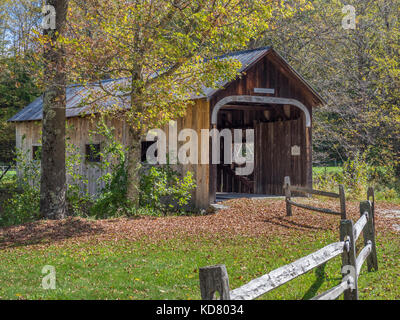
x=270 y=97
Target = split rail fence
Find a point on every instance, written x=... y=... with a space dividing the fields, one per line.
x=288 y=188
x=215 y=279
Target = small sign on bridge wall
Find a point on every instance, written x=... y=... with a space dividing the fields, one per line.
x=296 y=150
x=264 y=90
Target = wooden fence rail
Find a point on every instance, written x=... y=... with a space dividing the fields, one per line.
x=288 y=188
x=4 y=170
x=337 y=291
x=214 y=279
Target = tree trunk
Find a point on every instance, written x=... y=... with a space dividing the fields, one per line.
x=134 y=163
x=134 y=149
x=53 y=175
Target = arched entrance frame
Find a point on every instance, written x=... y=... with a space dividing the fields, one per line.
x=263 y=100
x=258 y=99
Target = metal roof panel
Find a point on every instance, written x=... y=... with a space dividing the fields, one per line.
x=76 y=94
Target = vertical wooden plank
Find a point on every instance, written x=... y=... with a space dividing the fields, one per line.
x=270 y=150
x=287 y=147
x=371 y=197
x=301 y=166
x=288 y=196
x=308 y=146
x=212 y=167
x=278 y=157
x=256 y=157
x=296 y=161
x=203 y=168
x=342 y=198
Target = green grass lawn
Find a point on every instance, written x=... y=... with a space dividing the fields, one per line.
x=8 y=180
x=11 y=173
x=327 y=170
x=168 y=269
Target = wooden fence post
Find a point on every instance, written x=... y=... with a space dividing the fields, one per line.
x=371 y=194
x=288 y=195
x=342 y=198
x=369 y=235
x=349 y=256
x=214 y=279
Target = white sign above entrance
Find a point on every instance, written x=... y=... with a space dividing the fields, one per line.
x=264 y=90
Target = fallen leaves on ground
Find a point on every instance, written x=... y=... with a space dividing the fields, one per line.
x=244 y=217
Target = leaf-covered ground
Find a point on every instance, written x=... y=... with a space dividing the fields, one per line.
x=158 y=258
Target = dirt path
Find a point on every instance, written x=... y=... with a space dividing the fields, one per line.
x=393 y=215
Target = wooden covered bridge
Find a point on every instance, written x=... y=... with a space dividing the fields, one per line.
x=270 y=97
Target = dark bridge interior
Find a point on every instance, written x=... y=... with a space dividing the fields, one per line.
x=277 y=129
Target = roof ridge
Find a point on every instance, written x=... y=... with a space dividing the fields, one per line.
x=235 y=53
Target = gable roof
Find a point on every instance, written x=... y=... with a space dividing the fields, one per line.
x=75 y=94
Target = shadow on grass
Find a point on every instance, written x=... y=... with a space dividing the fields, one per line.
x=42 y=232
x=312 y=292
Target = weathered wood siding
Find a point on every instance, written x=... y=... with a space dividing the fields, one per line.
x=80 y=132
x=270 y=72
x=274 y=160
x=197 y=117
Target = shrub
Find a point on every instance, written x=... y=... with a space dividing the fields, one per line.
x=355 y=176
x=21 y=208
x=326 y=181
x=386 y=194
x=112 y=200
x=78 y=198
x=24 y=204
x=164 y=189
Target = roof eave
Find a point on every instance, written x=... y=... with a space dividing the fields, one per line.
x=314 y=92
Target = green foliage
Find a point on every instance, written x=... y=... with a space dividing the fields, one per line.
x=357 y=175
x=326 y=181
x=386 y=183
x=387 y=194
x=24 y=204
x=21 y=208
x=112 y=201
x=17 y=82
x=9 y=181
x=356 y=71
x=78 y=197
x=17 y=89
x=164 y=189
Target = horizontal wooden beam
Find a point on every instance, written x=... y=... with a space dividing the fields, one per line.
x=312 y=191
x=359 y=225
x=363 y=256
x=280 y=276
x=304 y=206
x=335 y=292
x=229 y=107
